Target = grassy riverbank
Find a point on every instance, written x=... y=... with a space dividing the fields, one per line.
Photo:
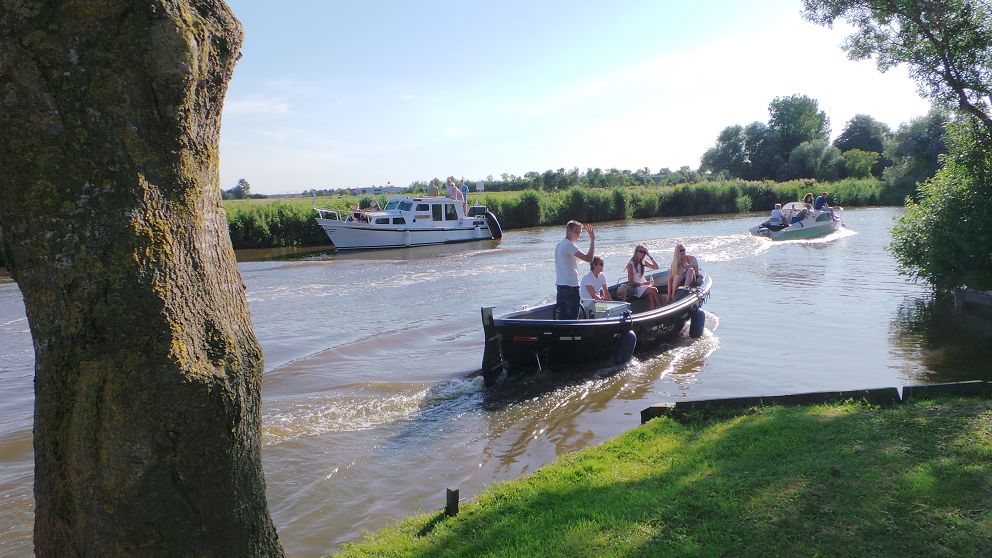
x=827 y=480
x=264 y=223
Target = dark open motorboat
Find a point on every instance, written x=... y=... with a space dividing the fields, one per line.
x=608 y=333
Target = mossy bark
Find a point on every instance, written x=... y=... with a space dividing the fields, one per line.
x=148 y=373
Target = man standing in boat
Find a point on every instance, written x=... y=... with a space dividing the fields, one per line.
x=567 y=271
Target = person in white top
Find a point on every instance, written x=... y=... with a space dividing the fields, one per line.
x=567 y=272
x=635 y=275
x=594 y=285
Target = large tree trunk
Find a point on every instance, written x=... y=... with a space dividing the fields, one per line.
x=148 y=374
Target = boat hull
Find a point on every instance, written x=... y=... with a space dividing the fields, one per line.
x=532 y=340
x=349 y=236
x=816 y=224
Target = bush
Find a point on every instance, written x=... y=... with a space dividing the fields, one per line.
x=945 y=239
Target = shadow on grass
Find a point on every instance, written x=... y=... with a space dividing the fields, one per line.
x=834 y=480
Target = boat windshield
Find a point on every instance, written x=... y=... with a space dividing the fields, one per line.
x=392 y=205
x=405 y=206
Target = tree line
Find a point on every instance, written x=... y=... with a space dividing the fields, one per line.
x=794 y=144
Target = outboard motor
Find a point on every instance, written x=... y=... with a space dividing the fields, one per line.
x=494 y=228
x=697 y=323
x=624 y=350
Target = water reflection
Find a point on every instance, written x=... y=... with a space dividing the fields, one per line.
x=952 y=344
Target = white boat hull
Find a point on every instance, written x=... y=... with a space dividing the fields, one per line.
x=816 y=224
x=357 y=236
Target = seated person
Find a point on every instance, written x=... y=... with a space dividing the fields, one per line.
x=777 y=217
x=800 y=215
x=635 y=276
x=821 y=202
x=594 y=285
x=808 y=200
x=684 y=272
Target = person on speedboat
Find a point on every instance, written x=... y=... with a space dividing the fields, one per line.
x=808 y=200
x=566 y=272
x=635 y=276
x=684 y=272
x=821 y=202
x=777 y=218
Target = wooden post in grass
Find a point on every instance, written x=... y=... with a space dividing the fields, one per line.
x=451 y=509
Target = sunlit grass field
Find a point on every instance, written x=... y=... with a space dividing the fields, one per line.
x=826 y=480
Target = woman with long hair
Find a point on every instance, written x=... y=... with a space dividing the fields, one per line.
x=684 y=271
x=635 y=276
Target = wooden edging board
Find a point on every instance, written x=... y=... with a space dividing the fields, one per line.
x=879 y=396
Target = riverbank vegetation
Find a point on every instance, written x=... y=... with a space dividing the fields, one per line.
x=275 y=222
x=827 y=480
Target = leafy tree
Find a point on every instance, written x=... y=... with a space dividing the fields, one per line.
x=796 y=119
x=763 y=153
x=148 y=374
x=945 y=239
x=858 y=163
x=239 y=192
x=728 y=153
x=946 y=44
x=815 y=159
x=915 y=152
x=863 y=132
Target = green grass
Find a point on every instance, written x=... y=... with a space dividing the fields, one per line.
x=833 y=480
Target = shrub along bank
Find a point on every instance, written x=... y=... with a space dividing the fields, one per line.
x=291 y=223
x=827 y=480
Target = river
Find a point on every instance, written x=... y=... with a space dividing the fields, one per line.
x=370 y=409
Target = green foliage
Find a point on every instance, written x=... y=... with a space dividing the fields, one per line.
x=728 y=154
x=797 y=119
x=946 y=238
x=866 y=134
x=825 y=480
x=815 y=159
x=239 y=192
x=274 y=224
x=257 y=224
x=946 y=44
x=915 y=151
x=858 y=163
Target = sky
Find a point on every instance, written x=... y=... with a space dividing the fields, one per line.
x=339 y=93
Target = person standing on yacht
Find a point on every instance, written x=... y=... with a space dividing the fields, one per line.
x=566 y=269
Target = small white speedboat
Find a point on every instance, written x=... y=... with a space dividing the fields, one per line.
x=801 y=222
x=408 y=221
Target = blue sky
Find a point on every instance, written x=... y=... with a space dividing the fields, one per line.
x=334 y=94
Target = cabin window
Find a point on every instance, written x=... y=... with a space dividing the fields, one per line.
x=392 y=205
x=382 y=221
x=423 y=207
x=399 y=221
x=405 y=206
x=449 y=212
x=436 y=210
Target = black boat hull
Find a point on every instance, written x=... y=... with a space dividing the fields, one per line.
x=531 y=339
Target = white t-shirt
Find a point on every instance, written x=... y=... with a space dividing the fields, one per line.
x=777 y=216
x=566 y=268
x=597 y=283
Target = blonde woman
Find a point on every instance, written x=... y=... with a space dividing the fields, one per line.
x=684 y=271
x=635 y=275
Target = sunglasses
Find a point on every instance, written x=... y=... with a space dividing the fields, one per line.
x=642 y=252
x=682 y=250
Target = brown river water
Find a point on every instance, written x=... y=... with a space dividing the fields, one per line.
x=370 y=409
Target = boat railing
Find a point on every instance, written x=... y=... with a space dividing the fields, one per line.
x=331 y=214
